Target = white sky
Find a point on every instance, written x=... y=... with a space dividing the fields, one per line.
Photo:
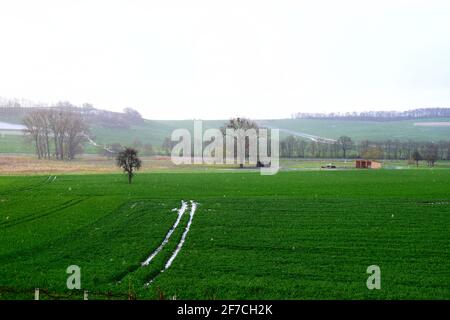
x=217 y=59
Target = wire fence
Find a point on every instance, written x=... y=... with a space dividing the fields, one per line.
x=46 y=294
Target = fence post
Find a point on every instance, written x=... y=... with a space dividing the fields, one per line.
x=86 y=295
x=36 y=294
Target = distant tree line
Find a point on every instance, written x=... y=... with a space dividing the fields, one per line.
x=109 y=119
x=344 y=147
x=57 y=134
x=379 y=115
x=17 y=110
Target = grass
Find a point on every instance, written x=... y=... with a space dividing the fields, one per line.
x=152 y=131
x=14 y=144
x=295 y=235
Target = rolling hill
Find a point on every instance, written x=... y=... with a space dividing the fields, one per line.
x=154 y=131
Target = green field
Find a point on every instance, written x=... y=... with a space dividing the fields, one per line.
x=295 y=235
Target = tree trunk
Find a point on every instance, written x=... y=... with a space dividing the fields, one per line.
x=61 y=149
x=55 y=138
x=48 y=145
x=38 y=151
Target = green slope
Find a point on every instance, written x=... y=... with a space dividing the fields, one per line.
x=371 y=130
x=154 y=131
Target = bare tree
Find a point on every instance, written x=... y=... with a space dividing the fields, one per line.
x=32 y=130
x=430 y=154
x=76 y=132
x=45 y=131
x=448 y=151
x=240 y=125
x=416 y=156
x=373 y=152
x=129 y=162
x=65 y=127
x=346 y=144
x=54 y=118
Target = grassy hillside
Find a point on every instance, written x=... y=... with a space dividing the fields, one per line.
x=154 y=131
x=296 y=235
x=361 y=130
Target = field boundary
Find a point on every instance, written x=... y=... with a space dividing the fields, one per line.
x=55 y=295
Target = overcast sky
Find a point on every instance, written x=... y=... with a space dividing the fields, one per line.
x=217 y=59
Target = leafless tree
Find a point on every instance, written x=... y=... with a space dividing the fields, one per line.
x=346 y=144
x=240 y=125
x=430 y=153
x=65 y=127
x=416 y=156
x=76 y=131
x=32 y=130
x=129 y=161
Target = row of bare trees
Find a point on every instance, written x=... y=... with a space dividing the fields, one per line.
x=55 y=133
x=378 y=115
x=344 y=147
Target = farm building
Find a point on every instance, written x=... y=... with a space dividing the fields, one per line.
x=368 y=164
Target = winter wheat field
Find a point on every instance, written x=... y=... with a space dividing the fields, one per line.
x=227 y=235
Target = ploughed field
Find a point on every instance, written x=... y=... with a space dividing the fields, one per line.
x=295 y=235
